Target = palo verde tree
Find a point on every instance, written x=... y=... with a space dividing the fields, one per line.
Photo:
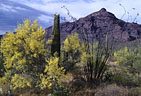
x=24 y=53
x=52 y=73
x=55 y=46
x=72 y=46
x=26 y=61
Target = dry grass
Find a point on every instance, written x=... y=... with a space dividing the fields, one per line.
x=112 y=90
x=104 y=90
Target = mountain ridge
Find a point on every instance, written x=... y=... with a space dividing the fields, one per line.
x=99 y=23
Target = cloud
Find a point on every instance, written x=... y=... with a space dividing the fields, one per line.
x=9 y=19
x=20 y=8
x=45 y=18
x=81 y=8
x=5 y=7
x=9 y=8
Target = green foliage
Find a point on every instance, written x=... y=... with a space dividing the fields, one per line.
x=119 y=78
x=6 y=78
x=56 y=43
x=3 y=80
x=129 y=63
x=52 y=73
x=121 y=56
x=129 y=60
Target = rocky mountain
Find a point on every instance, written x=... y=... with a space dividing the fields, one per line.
x=98 y=24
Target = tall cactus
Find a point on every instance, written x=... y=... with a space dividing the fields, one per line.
x=55 y=46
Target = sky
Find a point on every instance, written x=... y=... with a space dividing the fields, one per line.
x=12 y=12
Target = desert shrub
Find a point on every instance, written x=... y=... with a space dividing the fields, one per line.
x=95 y=57
x=119 y=78
x=70 y=51
x=19 y=81
x=123 y=79
x=52 y=73
x=3 y=80
x=61 y=91
x=128 y=62
x=77 y=84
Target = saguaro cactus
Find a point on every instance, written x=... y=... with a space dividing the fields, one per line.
x=55 y=46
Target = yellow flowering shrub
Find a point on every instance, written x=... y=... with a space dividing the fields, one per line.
x=26 y=43
x=3 y=80
x=25 y=56
x=19 y=81
x=121 y=55
x=72 y=43
x=6 y=78
x=53 y=73
x=20 y=48
x=24 y=52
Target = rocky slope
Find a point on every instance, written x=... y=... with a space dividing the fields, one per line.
x=98 y=24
